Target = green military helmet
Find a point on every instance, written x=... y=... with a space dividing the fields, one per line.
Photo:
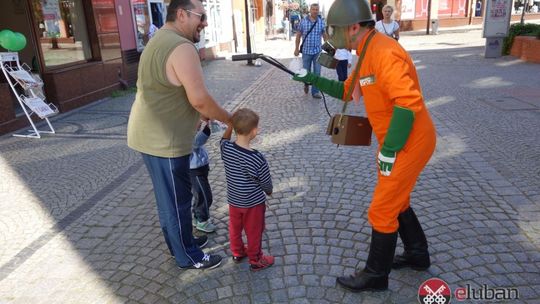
x=347 y=12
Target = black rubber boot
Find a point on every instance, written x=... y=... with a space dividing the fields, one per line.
x=374 y=277
x=415 y=254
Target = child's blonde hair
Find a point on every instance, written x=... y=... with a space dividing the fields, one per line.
x=244 y=121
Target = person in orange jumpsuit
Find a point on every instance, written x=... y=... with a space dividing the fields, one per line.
x=395 y=108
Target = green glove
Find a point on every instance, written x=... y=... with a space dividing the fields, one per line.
x=396 y=137
x=328 y=86
x=386 y=162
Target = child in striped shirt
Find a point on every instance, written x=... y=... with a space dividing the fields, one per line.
x=248 y=183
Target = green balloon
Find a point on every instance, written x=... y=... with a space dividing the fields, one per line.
x=20 y=42
x=15 y=42
x=5 y=35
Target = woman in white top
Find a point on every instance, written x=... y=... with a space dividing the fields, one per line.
x=387 y=25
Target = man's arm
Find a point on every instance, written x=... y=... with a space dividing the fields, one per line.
x=297 y=43
x=331 y=87
x=324 y=34
x=397 y=73
x=184 y=68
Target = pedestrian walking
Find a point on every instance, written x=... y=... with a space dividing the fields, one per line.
x=171 y=96
x=344 y=58
x=310 y=31
x=387 y=25
x=248 y=184
x=200 y=186
x=387 y=78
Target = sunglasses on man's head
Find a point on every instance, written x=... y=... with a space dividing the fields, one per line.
x=202 y=16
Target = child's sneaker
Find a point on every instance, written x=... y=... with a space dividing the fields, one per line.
x=207 y=226
x=201 y=241
x=264 y=261
x=238 y=259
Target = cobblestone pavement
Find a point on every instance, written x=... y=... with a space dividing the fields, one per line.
x=78 y=222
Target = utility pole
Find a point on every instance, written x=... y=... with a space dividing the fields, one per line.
x=523 y=12
x=248 y=37
x=428 y=16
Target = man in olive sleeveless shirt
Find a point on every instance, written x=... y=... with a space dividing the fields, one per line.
x=171 y=96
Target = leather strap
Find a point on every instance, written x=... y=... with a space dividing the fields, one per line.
x=357 y=71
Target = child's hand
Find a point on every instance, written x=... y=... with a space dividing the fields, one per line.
x=228 y=132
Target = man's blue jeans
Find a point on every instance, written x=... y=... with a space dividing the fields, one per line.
x=308 y=61
x=172 y=188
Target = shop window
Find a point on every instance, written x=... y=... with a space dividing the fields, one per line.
x=148 y=17
x=107 y=29
x=64 y=36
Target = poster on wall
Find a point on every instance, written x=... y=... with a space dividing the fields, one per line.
x=407 y=9
x=51 y=9
x=51 y=15
x=141 y=20
x=497 y=19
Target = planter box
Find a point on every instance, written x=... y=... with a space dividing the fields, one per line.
x=516 y=47
x=526 y=48
x=59 y=40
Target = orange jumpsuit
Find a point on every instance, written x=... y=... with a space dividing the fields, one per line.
x=388 y=78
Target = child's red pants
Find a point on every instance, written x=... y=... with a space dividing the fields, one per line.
x=251 y=220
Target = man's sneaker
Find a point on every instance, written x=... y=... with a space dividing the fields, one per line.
x=306 y=88
x=317 y=95
x=201 y=241
x=264 y=262
x=208 y=261
x=207 y=226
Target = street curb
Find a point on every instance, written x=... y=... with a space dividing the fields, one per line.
x=441 y=31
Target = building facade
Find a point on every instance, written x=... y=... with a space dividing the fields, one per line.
x=75 y=47
x=85 y=49
x=413 y=14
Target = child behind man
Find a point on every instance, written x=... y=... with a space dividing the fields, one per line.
x=200 y=187
x=248 y=183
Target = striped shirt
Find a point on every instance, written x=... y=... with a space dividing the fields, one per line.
x=247 y=173
x=312 y=43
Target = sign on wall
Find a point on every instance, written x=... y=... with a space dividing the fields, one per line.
x=497 y=19
x=407 y=9
x=445 y=8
